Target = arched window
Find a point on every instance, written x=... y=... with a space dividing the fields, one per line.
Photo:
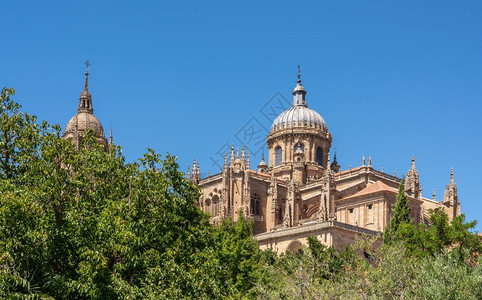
x=216 y=206
x=255 y=203
x=278 y=156
x=300 y=146
x=319 y=156
x=207 y=205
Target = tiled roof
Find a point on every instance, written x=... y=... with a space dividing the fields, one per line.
x=375 y=187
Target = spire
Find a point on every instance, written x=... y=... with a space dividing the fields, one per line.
x=188 y=172
x=433 y=195
x=248 y=163
x=262 y=167
x=243 y=158
x=193 y=166
x=369 y=161
x=363 y=160
x=299 y=92
x=85 y=100
x=335 y=166
x=225 y=161
x=412 y=182
x=111 y=138
x=231 y=157
x=86 y=83
x=450 y=195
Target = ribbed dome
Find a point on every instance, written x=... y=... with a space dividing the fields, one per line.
x=299 y=116
x=83 y=121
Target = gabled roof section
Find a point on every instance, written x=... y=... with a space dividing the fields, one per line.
x=375 y=187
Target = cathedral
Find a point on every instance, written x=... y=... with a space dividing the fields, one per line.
x=298 y=191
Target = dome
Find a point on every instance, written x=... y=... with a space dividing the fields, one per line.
x=299 y=116
x=83 y=121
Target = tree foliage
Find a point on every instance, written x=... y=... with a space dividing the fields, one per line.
x=400 y=215
x=84 y=224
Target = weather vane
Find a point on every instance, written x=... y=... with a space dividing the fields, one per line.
x=87 y=64
x=299 y=73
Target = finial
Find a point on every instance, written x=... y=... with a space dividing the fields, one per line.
x=299 y=74
x=369 y=161
x=188 y=172
x=87 y=68
x=413 y=162
x=209 y=173
x=383 y=169
x=394 y=173
x=363 y=160
x=111 y=139
x=248 y=163
x=433 y=195
x=451 y=175
x=225 y=165
x=237 y=152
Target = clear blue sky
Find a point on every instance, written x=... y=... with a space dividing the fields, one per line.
x=391 y=78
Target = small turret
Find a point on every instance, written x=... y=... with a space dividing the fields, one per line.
x=412 y=182
x=451 y=200
x=335 y=166
x=262 y=166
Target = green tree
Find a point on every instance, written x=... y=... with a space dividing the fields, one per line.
x=400 y=215
x=84 y=224
x=19 y=135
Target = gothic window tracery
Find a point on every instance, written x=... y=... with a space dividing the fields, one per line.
x=255 y=205
x=207 y=205
x=216 y=206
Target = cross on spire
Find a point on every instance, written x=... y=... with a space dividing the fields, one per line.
x=86 y=84
x=299 y=74
x=87 y=64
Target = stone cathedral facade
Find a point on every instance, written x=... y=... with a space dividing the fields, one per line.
x=298 y=192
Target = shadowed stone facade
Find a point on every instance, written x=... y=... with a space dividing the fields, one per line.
x=300 y=192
